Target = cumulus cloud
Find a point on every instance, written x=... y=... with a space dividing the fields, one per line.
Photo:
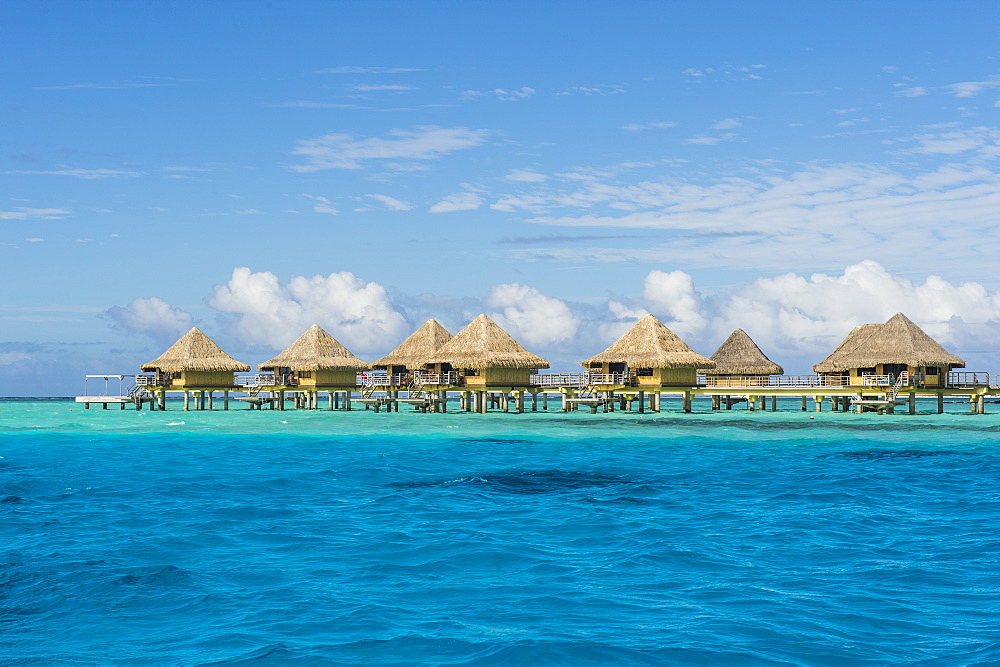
x=343 y=151
x=806 y=316
x=971 y=88
x=673 y=295
x=263 y=312
x=462 y=201
x=153 y=316
x=531 y=317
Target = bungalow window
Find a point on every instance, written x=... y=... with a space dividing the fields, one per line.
x=616 y=368
x=305 y=374
x=932 y=371
x=866 y=371
x=471 y=372
x=644 y=372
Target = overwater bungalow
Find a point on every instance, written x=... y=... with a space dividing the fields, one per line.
x=414 y=353
x=484 y=355
x=194 y=364
x=876 y=353
x=315 y=362
x=740 y=363
x=649 y=355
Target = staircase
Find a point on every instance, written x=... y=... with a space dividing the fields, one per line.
x=415 y=390
x=136 y=393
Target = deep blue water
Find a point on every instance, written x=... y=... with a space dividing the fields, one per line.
x=322 y=538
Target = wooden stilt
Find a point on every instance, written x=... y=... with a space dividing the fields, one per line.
x=940 y=404
x=187 y=400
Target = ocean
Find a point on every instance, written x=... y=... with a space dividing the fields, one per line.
x=265 y=537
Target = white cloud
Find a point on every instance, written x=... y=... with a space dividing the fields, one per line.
x=727 y=124
x=35 y=239
x=633 y=127
x=504 y=94
x=590 y=91
x=704 y=140
x=153 y=316
x=462 y=201
x=916 y=91
x=349 y=69
x=376 y=87
x=673 y=294
x=249 y=211
x=265 y=313
x=971 y=88
x=343 y=151
x=323 y=205
x=89 y=174
x=525 y=176
x=531 y=317
x=28 y=213
x=982 y=139
x=391 y=203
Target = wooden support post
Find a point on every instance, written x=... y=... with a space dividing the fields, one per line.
x=545 y=401
x=774 y=403
x=444 y=400
x=482 y=402
x=187 y=400
x=534 y=401
x=981 y=405
x=211 y=400
x=659 y=399
x=225 y=400
x=804 y=397
x=347 y=400
x=642 y=402
x=940 y=403
x=752 y=403
x=716 y=402
x=686 y=401
x=819 y=403
x=913 y=402
x=520 y=402
x=163 y=400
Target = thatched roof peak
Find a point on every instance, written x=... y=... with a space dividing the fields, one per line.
x=315 y=350
x=650 y=344
x=194 y=351
x=419 y=346
x=483 y=344
x=898 y=341
x=739 y=355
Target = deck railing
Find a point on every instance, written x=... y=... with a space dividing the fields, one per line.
x=579 y=379
x=449 y=378
x=774 y=381
x=973 y=379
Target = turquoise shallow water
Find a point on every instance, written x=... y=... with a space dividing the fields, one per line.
x=332 y=538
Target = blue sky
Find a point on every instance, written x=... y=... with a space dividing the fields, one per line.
x=790 y=168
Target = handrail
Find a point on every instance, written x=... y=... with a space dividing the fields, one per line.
x=774 y=381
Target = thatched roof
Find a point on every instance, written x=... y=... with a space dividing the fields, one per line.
x=414 y=352
x=194 y=351
x=650 y=344
x=739 y=355
x=315 y=350
x=483 y=344
x=898 y=341
x=835 y=362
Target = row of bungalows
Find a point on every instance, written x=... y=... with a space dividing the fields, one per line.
x=483 y=362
